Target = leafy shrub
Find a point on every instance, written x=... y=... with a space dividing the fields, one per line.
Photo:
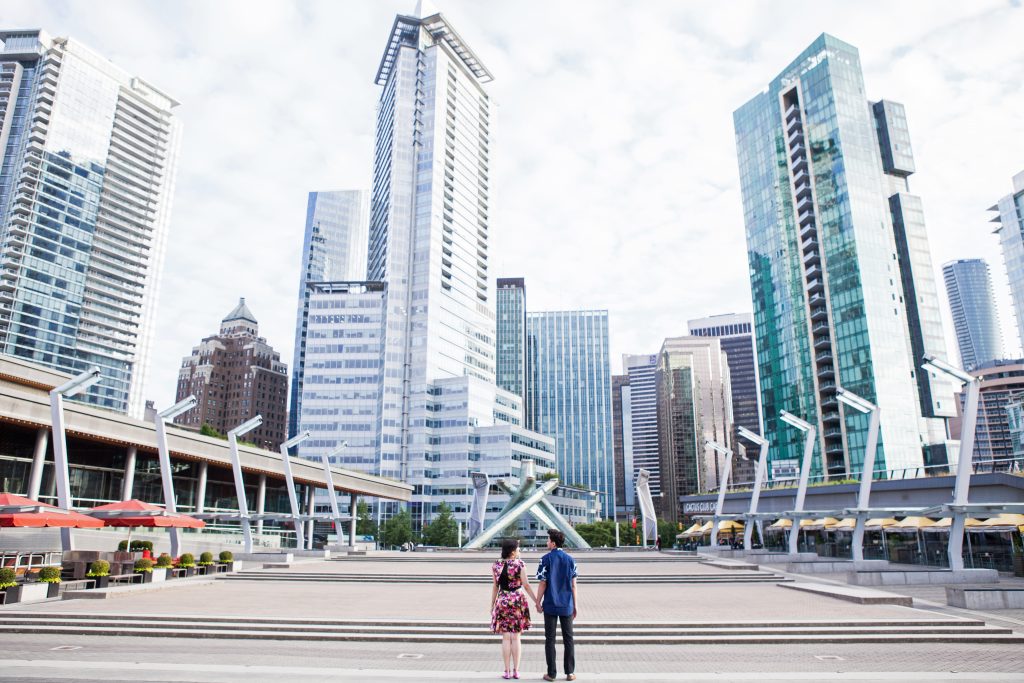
x=206 y=559
x=144 y=565
x=187 y=560
x=49 y=575
x=99 y=568
x=164 y=561
x=226 y=556
x=137 y=546
x=7 y=577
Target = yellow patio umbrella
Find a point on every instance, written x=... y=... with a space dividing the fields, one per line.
x=912 y=524
x=879 y=523
x=781 y=524
x=844 y=524
x=1003 y=522
x=705 y=528
x=818 y=524
x=689 y=532
x=729 y=525
x=944 y=524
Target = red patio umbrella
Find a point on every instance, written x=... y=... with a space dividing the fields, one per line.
x=19 y=511
x=132 y=513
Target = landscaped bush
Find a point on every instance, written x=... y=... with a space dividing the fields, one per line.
x=187 y=560
x=164 y=561
x=49 y=575
x=144 y=565
x=99 y=568
x=137 y=546
x=226 y=556
x=206 y=559
x=7 y=577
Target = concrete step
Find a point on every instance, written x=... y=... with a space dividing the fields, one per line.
x=581 y=558
x=730 y=577
x=859 y=595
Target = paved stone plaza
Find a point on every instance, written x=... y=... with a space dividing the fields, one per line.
x=401 y=617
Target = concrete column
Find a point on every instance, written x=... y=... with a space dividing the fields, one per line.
x=309 y=510
x=261 y=501
x=129 y=473
x=201 y=489
x=352 y=523
x=35 y=479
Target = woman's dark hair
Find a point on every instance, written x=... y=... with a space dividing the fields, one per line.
x=508 y=546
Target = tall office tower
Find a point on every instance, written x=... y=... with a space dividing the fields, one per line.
x=1002 y=387
x=235 y=375
x=694 y=406
x=511 y=335
x=569 y=395
x=86 y=180
x=1010 y=216
x=643 y=415
x=333 y=249
x=841 y=296
x=974 y=313
x=735 y=331
x=621 y=447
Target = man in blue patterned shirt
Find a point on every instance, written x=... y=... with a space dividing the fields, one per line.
x=556 y=598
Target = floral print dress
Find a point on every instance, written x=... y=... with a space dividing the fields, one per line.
x=511 y=611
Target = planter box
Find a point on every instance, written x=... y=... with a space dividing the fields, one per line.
x=101 y=581
x=159 y=574
x=52 y=590
x=228 y=567
x=33 y=592
x=189 y=571
x=12 y=595
x=147 y=577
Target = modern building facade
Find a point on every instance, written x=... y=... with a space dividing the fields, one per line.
x=569 y=395
x=972 y=306
x=643 y=419
x=1010 y=217
x=86 y=177
x=622 y=448
x=841 y=276
x=333 y=249
x=1002 y=388
x=735 y=331
x=511 y=336
x=694 y=407
x=236 y=375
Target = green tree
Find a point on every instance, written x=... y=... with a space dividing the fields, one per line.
x=365 y=526
x=598 y=534
x=210 y=430
x=397 y=530
x=443 y=530
x=667 y=531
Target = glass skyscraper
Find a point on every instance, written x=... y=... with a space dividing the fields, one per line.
x=87 y=172
x=512 y=335
x=840 y=272
x=569 y=394
x=1010 y=217
x=333 y=250
x=643 y=418
x=974 y=313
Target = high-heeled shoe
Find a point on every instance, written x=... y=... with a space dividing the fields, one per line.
x=515 y=673
x=506 y=675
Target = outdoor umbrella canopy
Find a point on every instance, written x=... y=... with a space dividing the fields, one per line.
x=689 y=532
x=912 y=524
x=848 y=523
x=1003 y=522
x=781 y=524
x=818 y=524
x=19 y=511
x=877 y=523
x=729 y=525
x=944 y=524
x=137 y=513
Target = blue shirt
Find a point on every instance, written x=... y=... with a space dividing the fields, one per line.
x=558 y=569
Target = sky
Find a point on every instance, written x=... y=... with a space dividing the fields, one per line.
x=615 y=183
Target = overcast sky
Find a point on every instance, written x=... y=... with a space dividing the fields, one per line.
x=616 y=183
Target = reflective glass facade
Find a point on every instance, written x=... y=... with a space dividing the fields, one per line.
x=511 y=335
x=974 y=313
x=569 y=395
x=85 y=183
x=1010 y=217
x=826 y=275
x=643 y=416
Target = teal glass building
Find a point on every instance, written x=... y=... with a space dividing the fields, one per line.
x=840 y=269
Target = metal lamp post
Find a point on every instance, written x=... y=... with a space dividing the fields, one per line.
x=61 y=473
x=805 y=472
x=236 y=467
x=755 y=496
x=723 y=484
x=166 y=476
x=332 y=495
x=962 y=487
x=867 y=468
x=290 y=483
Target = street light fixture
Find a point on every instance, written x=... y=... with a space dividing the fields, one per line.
x=962 y=486
x=72 y=387
x=722 y=486
x=755 y=496
x=805 y=473
x=166 y=476
x=867 y=469
x=290 y=483
x=236 y=467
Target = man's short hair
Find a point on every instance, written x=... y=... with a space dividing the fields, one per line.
x=557 y=537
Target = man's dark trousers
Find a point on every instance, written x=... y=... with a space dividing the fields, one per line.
x=569 y=660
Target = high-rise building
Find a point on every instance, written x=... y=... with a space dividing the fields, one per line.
x=621 y=447
x=643 y=416
x=1002 y=387
x=511 y=335
x=235 y=375
x=333 y=249
x=86 y=177
x=735 y=331
x=694 y=407
x=1010 y=217
x=971 y=303
x=569 y=394
x=842 y=296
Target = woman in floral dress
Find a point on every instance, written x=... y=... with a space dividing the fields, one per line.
x=510 y=612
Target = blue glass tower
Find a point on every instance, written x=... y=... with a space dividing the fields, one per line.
x=511 y=337
x=974 y=313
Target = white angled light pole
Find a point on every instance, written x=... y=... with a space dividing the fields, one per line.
x=805 y=472
x=293 y=501
x=962 y=487
x=867 y=468
x=332 y=495
x=236 y=468
x=166 y=476
x=755 y=496
x=723 y=485
x=61 y=473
